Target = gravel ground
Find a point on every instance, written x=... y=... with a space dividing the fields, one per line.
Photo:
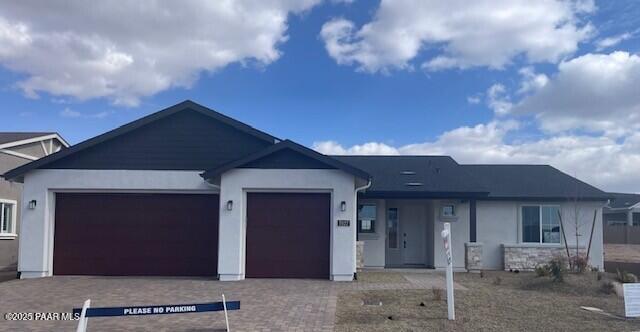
x=519 y=302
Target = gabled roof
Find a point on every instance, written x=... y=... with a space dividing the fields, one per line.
x=623 y=201
x=8 y=139
x=529 y=182
x=291 y=146
x=185 y=105
x=416 y=176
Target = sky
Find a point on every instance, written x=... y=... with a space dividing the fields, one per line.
x=490 y=81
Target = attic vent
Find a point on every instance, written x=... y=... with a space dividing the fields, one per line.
x=413 y=184
x=407 y=172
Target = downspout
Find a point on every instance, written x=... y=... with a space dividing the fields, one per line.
x=355 y=222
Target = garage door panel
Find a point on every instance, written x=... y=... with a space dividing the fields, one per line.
x=288 y=235
x=136 y=234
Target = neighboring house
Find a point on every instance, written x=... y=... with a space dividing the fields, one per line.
x=623 y=209
x=16 y=149
x=188 y=191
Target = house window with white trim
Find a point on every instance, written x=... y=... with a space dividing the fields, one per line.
x=540 y=224
x=367 y=218
x=7 y=217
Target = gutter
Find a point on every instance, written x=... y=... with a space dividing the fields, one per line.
x=355 y=223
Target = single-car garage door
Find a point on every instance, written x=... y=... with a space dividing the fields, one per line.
x=136 y=234
x=288 y=235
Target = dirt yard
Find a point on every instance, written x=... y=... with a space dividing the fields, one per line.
x=498 y=301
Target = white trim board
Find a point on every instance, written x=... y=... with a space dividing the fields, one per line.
x=18 y=154
x=34 y=140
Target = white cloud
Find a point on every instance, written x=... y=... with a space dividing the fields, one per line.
x=126 y=50
x=602 y=161
x=474 y=100
x=465 y=33
x=608 y=42
x=69 y=113
x=593 y=92
x=498 y=100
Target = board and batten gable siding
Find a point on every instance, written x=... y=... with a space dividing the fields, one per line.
x=286 y=159
x=186 y=140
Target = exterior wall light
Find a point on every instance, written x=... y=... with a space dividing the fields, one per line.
x=229 y=205
x=343 y=206
x=32 y=204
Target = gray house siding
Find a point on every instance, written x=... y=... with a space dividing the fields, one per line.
x=10 y=191
x=13 y=191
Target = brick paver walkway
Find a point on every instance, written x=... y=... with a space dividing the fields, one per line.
x=266 y=304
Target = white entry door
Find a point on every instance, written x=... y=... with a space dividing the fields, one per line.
x=414 y=235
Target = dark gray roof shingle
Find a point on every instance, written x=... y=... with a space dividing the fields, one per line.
x=621 y=200
x=531 y=182
x=416 y=176
x=441 y=176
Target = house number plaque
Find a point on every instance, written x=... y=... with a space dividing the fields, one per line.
x=344 y=223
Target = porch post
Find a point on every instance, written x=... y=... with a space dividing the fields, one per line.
x=472 y=220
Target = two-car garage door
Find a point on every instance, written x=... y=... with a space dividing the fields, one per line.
x=136 y=234
x=287 y=235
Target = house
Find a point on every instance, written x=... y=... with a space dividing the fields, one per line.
x=623 y=209
x=188 y=191
x=18 y=148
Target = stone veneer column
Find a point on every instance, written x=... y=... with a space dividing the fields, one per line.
x=359 y=254
x=473 y=256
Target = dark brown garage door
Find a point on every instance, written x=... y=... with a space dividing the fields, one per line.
x=136 y=234
x=288 y=235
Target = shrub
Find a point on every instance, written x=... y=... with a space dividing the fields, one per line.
x=557 y=268
x=625 y=277
x=607 y=287
x=579 y=263
x=542 y=270
x=437 y=293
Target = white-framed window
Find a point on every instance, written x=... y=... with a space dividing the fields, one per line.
x=7 y=218
x=367 y=218
x=540 y=224
x=448 y=210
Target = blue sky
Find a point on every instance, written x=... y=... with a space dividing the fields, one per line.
x=369 y=96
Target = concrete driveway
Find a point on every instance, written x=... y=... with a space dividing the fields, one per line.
x=266 y=304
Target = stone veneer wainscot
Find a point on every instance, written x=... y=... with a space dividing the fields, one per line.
x=526 y=256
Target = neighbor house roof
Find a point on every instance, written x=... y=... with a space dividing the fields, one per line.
x=9 y=138
x=185 y=105
x=302 y=157
x=532 y=182
x=416 y=176
x=623 y=201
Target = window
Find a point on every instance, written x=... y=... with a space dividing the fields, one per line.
x=7 y=217
x=449 y=210
x=367 y=218
x=392 y=228
x=540 y=224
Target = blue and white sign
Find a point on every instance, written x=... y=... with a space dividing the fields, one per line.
x=86 y=311
x=158 y=309
x=631 y=299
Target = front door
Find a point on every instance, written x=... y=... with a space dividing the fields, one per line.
x=414 y=234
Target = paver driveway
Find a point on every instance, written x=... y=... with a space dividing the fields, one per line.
x=266 y=304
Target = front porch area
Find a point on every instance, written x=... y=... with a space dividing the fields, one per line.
x=405 y=233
